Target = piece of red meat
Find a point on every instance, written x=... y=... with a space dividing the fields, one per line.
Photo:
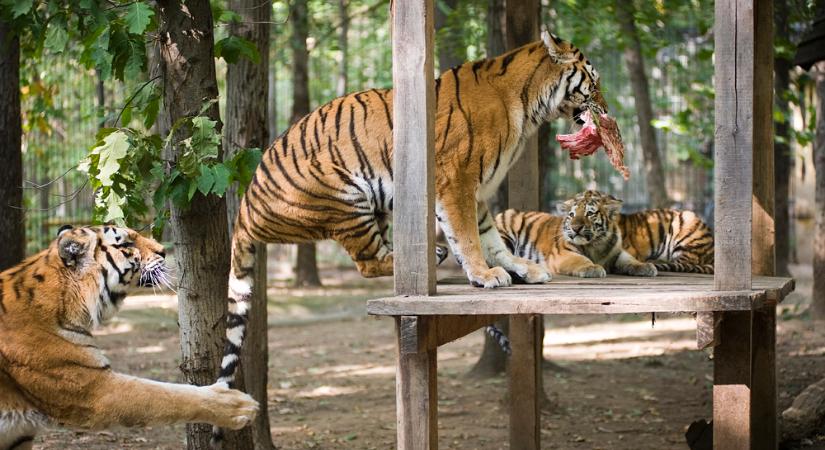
x=591 y=136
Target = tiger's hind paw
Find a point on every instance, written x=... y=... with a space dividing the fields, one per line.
x=594 y=271
x=642 y=270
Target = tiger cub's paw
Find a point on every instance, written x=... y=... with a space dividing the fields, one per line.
x=233 y=408
x=529 y=272
x=594 y=271
x=642 y=270
x=490 y=278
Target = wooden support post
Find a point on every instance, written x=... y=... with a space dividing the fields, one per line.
x=524 y=376
x=416 y=386
x=413 y=147
x=744 y=392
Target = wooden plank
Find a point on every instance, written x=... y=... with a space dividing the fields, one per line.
x=707 y=330
x=416 y=392
x=450 y=328
x=413 y=148
x=764 y=424
x=732 y=428
x=524 y=382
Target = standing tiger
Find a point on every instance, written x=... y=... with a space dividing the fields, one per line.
x=330 y=175
x=50 y=368
x=585 y=241
x=671 y=240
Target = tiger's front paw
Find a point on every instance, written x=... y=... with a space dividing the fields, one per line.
x=642 y=270
x=594 y=271
x=233 y=408
x=529 y=272
x=490 y=278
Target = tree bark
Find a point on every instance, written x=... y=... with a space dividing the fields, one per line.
x=343 y=46
x=12 y=227
x=199 y=232
x=451 y=51
x=818 y=299
x=306 y=265
x=634 y=60
x=493 y=360
x=783 y=163
x=247 y=86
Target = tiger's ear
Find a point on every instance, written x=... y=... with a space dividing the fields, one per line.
x=63 y=229
x=71 y=249
x=554 y=48
x=612 y=204
x=565 y=207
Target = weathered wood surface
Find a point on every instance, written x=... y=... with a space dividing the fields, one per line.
x=413 y=148
x=732 y=426
x=450 y=328
x=416 y=387
x=524 y=381
x=567 y=295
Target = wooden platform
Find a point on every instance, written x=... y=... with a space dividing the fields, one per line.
x=615 y=294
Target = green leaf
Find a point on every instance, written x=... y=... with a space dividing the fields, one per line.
x=205 y=140
x=56 y=38
x=222 y=175
x=21 y=7
x=138 y=17
x=206 y=180
x=114 y=210
x=150 y=111
x=112 y=150
x=232 y=48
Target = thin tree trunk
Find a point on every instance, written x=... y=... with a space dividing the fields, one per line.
x=306 y=265
x=12 y=227
x=246 y=127
x=818 y=299
x=200 y=232
x=633 y=58
x=782 y=161
x=343 y=45
x=451 y=52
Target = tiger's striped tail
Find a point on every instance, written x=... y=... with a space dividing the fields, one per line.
x=241 y=277
x=684 y=267
x=498 y=335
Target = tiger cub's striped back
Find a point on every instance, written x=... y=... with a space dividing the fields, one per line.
x=675 y=240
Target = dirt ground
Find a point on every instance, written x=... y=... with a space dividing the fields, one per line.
x=618 y=383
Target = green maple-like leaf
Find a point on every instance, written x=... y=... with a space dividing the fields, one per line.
x=112 y=150
x=138 y=17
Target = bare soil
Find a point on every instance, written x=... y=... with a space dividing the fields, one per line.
x=617 y=383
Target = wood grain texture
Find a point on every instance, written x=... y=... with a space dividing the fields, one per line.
x=413 y=154
x=732 y=426
x=450 y=328
x=567 y=295
x=707 y=330
x=523 y=375
x=733 y=162
x=416 y=391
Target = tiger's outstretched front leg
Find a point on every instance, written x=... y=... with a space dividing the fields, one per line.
x=497 y=254
x=456 y=214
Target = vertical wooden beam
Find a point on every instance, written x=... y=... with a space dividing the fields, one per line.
x=413 y=147
x=416 y=387
x=524 y=376
x=744 y=392
x=763 y=262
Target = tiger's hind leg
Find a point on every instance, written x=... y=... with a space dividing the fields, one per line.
x=497 y=254
x=369 y=246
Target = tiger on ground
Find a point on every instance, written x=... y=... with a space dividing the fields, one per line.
x=51 y=371
x=330 y=175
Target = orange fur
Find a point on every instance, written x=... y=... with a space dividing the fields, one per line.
x=50 y=368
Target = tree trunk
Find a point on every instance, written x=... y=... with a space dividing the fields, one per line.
x=199 y=232
x=12 y=227
x=343 y=45
x=633 y=58
x=493 y=360
x=247 y=88
x=451 y=51
x=783 y=163
x=306 y=265
x=818 y=299
x=496 y=23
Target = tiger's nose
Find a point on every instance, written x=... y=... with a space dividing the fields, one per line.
x=577 y=228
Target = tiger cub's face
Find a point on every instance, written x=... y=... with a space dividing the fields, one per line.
x=120 y=255
x=588 y=217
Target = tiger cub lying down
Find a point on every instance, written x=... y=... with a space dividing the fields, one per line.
x=585 y=241
x=50 y=368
